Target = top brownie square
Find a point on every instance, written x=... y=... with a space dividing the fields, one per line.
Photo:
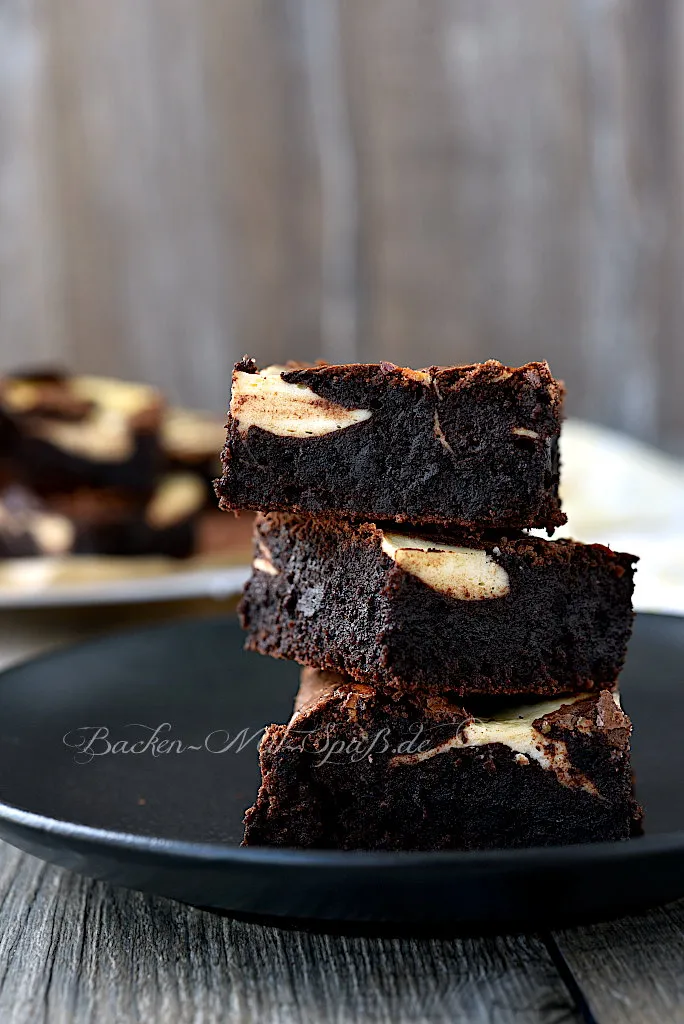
x=473 y=446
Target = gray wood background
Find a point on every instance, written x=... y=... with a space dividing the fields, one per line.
x=73 y=951
x=185 y=180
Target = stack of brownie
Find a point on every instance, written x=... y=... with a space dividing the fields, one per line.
x=459 y=680
x=94 y=465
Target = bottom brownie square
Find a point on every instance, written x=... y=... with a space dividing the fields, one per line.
x=361 y=768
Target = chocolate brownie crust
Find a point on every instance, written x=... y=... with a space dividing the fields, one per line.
x=326 y=594
x=472 y=445
x=332 y=777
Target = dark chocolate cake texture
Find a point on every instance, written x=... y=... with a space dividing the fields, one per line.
x=473 y=446
x=461 y=683
x=443 y=612
x=82 y=431
x=103 y=522
x=359 y=768
x=99 y=466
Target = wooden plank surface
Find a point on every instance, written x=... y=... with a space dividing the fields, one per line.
x=183 y=181
x=74 y=951
x=631 y=971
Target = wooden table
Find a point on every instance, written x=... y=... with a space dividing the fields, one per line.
x=74 y=951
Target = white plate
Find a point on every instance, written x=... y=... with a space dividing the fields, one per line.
x=85 y=580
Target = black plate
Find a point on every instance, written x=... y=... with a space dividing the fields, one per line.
x=171 y=823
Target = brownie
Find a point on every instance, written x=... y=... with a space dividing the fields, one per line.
x=28 y=528
x=362 y=768
x=474 y=446
x=192 y=441
x=103 y=522
x=443 y=610
x=9 y=443
x=77 y=431
x=163 y=525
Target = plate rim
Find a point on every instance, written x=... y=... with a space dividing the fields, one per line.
x=217 y=582
x=223 y=853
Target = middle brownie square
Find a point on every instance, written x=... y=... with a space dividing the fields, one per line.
x=439 y=610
